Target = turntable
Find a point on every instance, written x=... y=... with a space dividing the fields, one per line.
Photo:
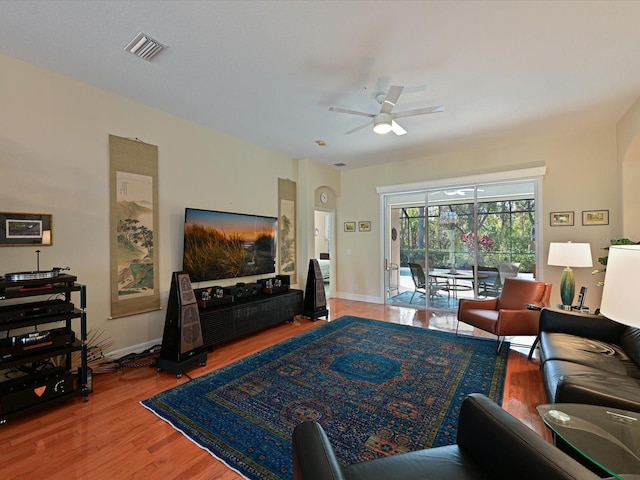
x=34 y=275
x=40 y=276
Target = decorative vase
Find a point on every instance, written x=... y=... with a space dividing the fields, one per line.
x=567 y=286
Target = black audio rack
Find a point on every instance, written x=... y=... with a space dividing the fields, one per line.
x=16 y=397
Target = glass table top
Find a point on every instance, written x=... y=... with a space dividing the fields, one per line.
x=608 y=437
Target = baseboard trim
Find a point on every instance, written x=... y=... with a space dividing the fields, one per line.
x=358 y=298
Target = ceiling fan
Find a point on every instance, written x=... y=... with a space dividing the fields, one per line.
x=384 y=121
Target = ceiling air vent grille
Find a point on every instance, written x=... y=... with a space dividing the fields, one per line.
x=144 y=46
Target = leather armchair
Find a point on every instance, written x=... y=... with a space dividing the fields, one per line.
x=490 y=444
x=507 y=314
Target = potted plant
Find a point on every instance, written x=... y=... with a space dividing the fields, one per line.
x=603 y=260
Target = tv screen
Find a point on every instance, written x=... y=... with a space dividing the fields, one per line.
x=221 y=245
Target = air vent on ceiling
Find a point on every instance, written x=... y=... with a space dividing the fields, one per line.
x=144 y=46
x=340 y=164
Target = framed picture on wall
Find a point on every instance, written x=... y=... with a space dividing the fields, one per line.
x=25 y=229
x=595 y=217
x=364 y=226
x=349 y=226
x=562 y=219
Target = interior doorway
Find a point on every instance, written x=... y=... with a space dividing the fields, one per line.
x=323 y=247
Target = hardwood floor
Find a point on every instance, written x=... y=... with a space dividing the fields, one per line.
x=113 y=437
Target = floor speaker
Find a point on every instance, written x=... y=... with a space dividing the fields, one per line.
x=182 y=345
x=315 y=300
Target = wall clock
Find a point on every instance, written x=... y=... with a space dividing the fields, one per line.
x=324 y=198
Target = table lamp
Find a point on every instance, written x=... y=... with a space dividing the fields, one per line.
x=621 y=280
x=569 y=255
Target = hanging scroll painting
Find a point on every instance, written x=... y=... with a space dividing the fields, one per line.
x=134 y=227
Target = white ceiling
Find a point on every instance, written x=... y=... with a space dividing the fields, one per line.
x=268 y=71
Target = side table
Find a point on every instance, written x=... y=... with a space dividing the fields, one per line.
x=607 y=437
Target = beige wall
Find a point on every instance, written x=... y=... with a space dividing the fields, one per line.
x=628 y=129
x=54 y=158
x=581 y=175
x=312 y=176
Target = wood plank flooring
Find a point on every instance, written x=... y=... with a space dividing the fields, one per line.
x=113 y=437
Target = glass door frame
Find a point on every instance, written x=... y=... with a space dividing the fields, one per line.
x=389 y=193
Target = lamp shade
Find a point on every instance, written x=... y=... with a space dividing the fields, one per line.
x=570 y=254
x=621 y=280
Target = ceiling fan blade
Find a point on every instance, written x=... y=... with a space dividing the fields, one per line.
x=354 y=130
x=391 y=98
x=351 y=112
x=397 y=129
x=419 y=111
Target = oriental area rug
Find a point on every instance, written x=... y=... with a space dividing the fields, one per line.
x=377 y=388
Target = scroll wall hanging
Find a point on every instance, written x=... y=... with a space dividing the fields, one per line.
x=133 y=212
x=287 y=228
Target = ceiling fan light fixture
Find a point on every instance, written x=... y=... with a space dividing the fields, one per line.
x=382 y=123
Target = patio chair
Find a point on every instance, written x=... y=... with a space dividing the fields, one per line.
x=490 y=284
x=509 y=270
x=419 y=281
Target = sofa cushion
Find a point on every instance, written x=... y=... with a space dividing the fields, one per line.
x=596 y=354
x=630 y=342
x=568 y=382
x=435 y=463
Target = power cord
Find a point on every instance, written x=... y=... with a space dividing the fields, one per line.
x=146 y=358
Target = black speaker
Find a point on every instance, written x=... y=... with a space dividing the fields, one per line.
x=182 y=345
x=236 y=291
x=243 y=290
x=315 y=300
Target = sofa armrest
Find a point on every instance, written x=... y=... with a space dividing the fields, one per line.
x=590 y=326
x=504 y=447
x=518 y=322
x=472 y=304
x=313 y=456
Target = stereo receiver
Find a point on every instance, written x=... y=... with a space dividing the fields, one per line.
x=28 y=311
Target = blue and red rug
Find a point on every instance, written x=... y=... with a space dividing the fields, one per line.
x=377 y=388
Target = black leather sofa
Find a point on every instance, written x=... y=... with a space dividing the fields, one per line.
x=491 y=444
x=589 y=359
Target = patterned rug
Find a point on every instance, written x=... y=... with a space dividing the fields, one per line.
x=377 y=388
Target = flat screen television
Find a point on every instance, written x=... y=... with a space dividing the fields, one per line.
x=219 y=245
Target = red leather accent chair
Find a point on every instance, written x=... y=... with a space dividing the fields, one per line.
x=507 y=314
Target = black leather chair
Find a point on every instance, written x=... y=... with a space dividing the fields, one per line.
x=491 y=444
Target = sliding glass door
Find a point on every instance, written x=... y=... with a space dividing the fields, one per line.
x=458 y=242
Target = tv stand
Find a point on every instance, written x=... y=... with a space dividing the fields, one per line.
x=248 y=315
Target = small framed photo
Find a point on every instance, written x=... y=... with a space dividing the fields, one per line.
x=349 y=226
x=364 y=226
x=595 y=217
x=25 y=229
x=562 y=219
